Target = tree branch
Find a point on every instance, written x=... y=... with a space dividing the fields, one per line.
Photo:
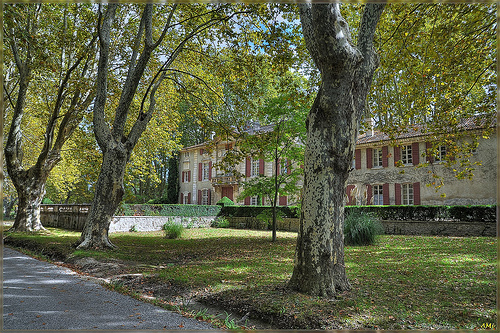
x=101 y=129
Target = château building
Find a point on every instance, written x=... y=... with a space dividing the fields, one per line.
x=385 y=172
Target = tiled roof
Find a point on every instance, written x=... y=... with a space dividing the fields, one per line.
x=472 y=123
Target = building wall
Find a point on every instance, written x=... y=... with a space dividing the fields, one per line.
x=391 y=179
x=481 y=189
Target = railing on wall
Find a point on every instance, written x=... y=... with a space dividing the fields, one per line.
x=64 y=216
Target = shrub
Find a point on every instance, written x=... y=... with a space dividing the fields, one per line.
x=172 y=230
x=220 y=222
x=225 y=201
x=360 y=228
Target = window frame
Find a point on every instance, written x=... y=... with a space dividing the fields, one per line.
x=378 y=194
x=205 y=171
x=205 y=196
x=406 y=155
x=254 y=167
x=407 y=194
x=441 y=154
x=254 y=201
x=377 y=158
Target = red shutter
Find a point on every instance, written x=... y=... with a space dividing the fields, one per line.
x=182 y=177
x=248 y=169
x=428 y=152
x=369 y=195
x=283 y=200
x=385 y=156
x=357 y=157
x=369 y=158
x=261 y=166
x=202 y=151
x=182 y=198
x=416 y=193
x=397 y=154
x=189 y=176
x=189 y=198
x=385 y=193
x=348 y=190
x=200 y=171
x=247 y=201
x=415 y=156
x=210 y=170
x=397 y=193
x=199 y=197
x=209 y=197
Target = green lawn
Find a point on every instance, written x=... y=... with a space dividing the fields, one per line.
x=402 y=282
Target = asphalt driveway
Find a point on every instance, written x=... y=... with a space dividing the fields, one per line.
x=42 y=296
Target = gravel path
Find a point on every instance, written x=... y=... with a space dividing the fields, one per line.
x=41 y=296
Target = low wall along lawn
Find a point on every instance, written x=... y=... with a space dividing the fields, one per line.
x=411 y=220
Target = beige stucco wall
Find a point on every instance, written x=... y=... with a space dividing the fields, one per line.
x=481 y=189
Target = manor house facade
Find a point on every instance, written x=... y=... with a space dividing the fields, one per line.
x=384 y=172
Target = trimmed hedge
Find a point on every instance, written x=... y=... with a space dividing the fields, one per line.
x=253 y=211
x=430 y=213
x=391 y=213
x=168 y=210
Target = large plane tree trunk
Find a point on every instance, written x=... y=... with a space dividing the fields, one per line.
x=332 y=128
x=108 y=195
x=30 y=192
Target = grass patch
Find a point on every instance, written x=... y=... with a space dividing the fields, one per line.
x=402 y=282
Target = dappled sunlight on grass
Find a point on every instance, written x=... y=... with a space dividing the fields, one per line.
x=400 y=282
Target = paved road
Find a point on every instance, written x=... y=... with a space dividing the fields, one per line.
x=38 y=295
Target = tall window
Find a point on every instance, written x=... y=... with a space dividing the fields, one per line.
x=255 y=167
x=378 y=195
x=254 y=201
x=205 y=197
x=205 y=171
x=407 y=194
x=406 y=156
x=185 y=176
x=377 y=157
x=441 y=153
x=284 y=167
x=186 y=155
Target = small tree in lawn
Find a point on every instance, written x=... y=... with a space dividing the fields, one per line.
x=282 y=145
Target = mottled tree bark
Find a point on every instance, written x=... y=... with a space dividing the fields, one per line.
x=108 y=195
x=332 y=128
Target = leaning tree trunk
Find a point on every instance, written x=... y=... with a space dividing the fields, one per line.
x=332 y=128
x=108 y=195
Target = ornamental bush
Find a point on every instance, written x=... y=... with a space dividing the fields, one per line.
x=361 y=228
x=172 y=230
x=225 y=201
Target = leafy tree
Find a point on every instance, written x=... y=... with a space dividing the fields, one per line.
x=48 y=87
x=172 y=195
x=182 y=24
x=282 y=143
x=347 y=65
